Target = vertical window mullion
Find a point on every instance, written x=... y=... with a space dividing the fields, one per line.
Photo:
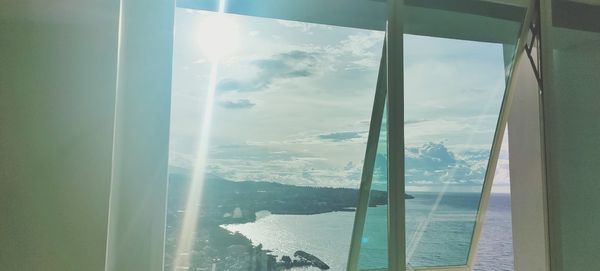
x=395 y=86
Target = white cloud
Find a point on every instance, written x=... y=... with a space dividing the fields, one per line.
x=303 y=92
x=303 y=27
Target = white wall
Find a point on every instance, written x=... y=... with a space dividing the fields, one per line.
x=572 y=136
x=571 y=102
x=57 y=97
x=84 y=145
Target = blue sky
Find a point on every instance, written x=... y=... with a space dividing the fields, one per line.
x=293 y=102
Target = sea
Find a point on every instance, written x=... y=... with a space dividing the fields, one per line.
x=439 y=228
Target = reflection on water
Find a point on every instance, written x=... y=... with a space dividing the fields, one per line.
x=495 y=251
x=442 y=240
x=326 y=236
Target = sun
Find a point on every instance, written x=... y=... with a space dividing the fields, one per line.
x=218 y=36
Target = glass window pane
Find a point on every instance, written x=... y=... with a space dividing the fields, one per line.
x=268 y=135
x=456 y=60
x=374 y=244
x=455 y=72
x=453 y=94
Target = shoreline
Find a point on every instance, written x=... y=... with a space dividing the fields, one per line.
x=278 y=254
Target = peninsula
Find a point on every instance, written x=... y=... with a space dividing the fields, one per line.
x=229 y=202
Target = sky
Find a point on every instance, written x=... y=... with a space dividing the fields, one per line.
x=292 y=102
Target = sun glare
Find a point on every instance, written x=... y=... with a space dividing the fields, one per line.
x=218 y=36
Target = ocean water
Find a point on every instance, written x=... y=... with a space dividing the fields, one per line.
x=495 y=251
x=439 y=231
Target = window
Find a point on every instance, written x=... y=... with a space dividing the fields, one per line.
x=270 y=122
x=453 y=93
x=268 y=135
x=454 y=87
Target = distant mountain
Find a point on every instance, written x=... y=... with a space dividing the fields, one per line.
x=225 y=201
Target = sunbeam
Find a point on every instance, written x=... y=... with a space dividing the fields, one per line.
x=185 y=242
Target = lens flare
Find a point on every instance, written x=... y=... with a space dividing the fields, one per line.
x=219 y=36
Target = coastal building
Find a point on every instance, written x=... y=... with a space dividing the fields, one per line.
x=268 y=135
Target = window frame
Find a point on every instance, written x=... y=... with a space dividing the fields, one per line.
x=372 y=143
